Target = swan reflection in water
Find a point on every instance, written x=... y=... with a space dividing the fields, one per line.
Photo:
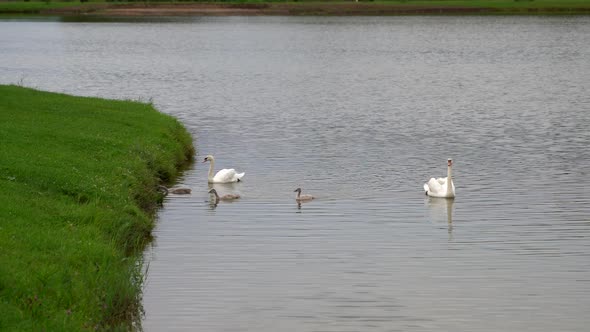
x=441 y=211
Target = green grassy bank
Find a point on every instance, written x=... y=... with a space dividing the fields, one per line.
x=32 y=7
x=303 y=7
x=78 y=180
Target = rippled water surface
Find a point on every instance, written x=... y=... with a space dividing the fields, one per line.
x=359 y=112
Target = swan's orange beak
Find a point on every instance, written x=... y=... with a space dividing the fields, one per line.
x=205 y=160
x=450 y=162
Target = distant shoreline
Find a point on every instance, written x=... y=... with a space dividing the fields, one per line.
x=299 y=8
x=256 y=9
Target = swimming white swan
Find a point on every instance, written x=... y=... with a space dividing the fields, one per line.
x=223 y=176
x=226 y=197
x=441 y=187
x=303 y=198
x=176 y=191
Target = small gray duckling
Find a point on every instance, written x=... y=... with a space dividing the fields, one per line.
x=302 y=198
x=226 y=197
x=175 y=191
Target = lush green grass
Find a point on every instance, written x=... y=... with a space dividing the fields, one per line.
x=494 y=3
x=501 y=6
x=78 y=180
x=32 y=7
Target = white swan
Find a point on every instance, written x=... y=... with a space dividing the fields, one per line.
x=441 y=187
x=302 y=198
x=225 y=175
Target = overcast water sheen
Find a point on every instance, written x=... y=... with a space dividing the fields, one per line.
x=359 y=111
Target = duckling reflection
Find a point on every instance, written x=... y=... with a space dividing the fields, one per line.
x=441 y=211
x=212 y=204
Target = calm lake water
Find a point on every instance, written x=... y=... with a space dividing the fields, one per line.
x=359 y=111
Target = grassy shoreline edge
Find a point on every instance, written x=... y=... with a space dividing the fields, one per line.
x=78 y=186
x=297 y=8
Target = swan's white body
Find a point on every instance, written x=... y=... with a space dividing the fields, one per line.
x=441 y=187
x=226 y=175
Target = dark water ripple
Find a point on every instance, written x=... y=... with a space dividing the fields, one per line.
x=359 y=112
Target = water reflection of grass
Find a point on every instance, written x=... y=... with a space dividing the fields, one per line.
x=336 y=7
x=77 y=192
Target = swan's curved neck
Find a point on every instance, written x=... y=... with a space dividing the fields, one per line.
x=449 y=179
x=211 y=165
x=298 y=194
